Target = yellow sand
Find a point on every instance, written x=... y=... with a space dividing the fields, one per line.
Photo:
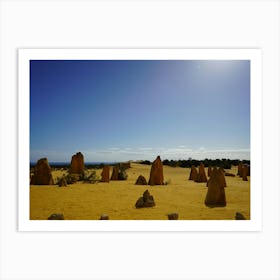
x=117 y=198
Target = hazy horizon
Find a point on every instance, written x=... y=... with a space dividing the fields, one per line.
x=120 y=110
x=68 y=161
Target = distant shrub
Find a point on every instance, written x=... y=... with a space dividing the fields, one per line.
x=146 y=162
x=165 y=162
x=246 y=162
x=167 y=182
x=72 y=178
x=91 y=177
x=122 y=175
x=125 y=165
x=172 y=163
x=224 y=163
x=62 y=182
x=58 y=179
x=94 y=165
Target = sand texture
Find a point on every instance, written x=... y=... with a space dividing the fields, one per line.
x=83 y=201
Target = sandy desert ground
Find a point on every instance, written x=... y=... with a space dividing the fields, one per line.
x=117 y=199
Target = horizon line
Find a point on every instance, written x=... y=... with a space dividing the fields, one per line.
x=141 y=160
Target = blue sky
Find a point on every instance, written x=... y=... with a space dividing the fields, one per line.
x=119 y=110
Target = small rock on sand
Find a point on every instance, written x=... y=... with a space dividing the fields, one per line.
x=56 y=217
x=173 y=216
x=104 y=217
x=239 y=216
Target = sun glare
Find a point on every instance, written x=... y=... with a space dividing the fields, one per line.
x=220 y=66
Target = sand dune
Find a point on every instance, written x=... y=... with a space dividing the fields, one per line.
x=117 y=198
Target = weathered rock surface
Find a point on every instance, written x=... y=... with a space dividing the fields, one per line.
x=42 y=173
x=240 y=169
x=146 y=200
x=201 y=177
x=77 y=164
x=215 y=196
x=119 y=173
x=105 y=174
x=141 y=180
x=245 y=171
x=156 y=174
x=115 y=174
x=193 y=173
x=221 y=169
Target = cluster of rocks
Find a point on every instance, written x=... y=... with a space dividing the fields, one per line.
x=198 y=176
x=243 y=171
x=119 y=173
x=42 y=173
x=156 y=174
x=216 y=183
x=146 y=200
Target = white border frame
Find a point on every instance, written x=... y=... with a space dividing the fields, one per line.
x=24 y=57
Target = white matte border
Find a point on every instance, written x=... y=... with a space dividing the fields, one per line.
x=254 y=55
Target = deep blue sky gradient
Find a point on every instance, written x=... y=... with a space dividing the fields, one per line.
x=120 y=110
